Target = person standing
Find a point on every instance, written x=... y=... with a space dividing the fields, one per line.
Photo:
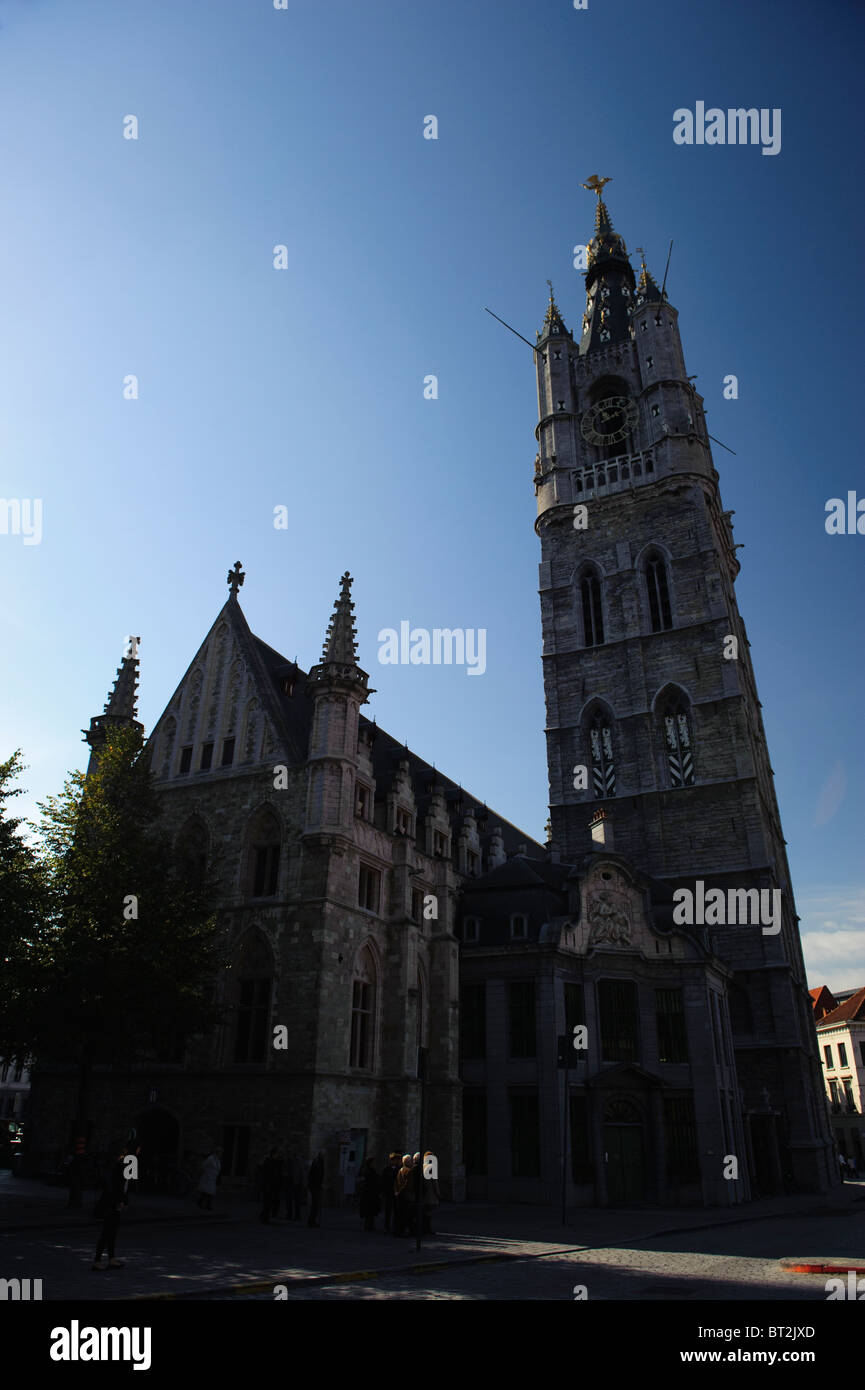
x=111 y=1202
x=271 y=1184
x=402 y=1191
x=315 y=1182
x=207 y=1183
x=388 y=1180
x=369 y=1202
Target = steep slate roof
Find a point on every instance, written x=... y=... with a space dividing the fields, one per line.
x=852 y=1008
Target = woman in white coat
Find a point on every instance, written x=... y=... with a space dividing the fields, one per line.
x=209 y=1178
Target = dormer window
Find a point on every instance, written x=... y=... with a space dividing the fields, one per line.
x=470 y=929
x=402 y=824
x=473 y=863
x=519 y=928
x=440 y=845
x=362 y=803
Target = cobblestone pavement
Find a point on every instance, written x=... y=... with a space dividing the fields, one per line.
x=171 y=1249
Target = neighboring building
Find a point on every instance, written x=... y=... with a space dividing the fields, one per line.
x=340 y=855
x=654 y=735
x=841 y=1038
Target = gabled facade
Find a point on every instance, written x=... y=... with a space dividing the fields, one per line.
x=841 y=1038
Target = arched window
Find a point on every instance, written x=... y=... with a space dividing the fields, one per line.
x=658 y=590
x=363 y=1000
x=252 y=994
x=593 y=619
x=600 y=735
x=679 y=741
x=192 y=848
x=265 y=837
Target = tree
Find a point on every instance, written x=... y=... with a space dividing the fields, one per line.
x=22 y=912
x=130 y=951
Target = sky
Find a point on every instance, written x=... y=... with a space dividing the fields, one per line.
x=303 y=387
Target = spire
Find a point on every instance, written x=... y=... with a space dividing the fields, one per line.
x=554 y=324
x=609 y=279
x=647 y=290
x=340 y=643
x=121 y=705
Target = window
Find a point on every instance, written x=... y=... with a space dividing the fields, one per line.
x=862 y=1053
x=235 y=1150
x=842 y=1055
x=848 y=1095
x=440 y=844
x=362 y=1011
x=827 y=1053
x=656 y=409
x=601 y=749
x=252 y=1000
x=658 y=591
x=835 y=1095
x=227 y=752
x=617 y=1002
x=403 y=821
x=677 y=732
x=417 y=897
x=590 y=597
x=521 y=1019
x=672 y=1039
x=186 y=758
x=369 y=888
x=470 y=929
x=581 y=1149
x=519 y=928
x=473 y=1022
x=363 y=802
x=574 y=1010
x=650 y=361
x=475 y=1133
x=473 y=863
x=264 y=854
x=680 y=1135
x=525 y=1136
x=206 y=757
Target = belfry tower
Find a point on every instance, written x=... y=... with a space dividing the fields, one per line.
x=653 y=717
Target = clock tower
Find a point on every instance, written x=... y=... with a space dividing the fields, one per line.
x=654 y=727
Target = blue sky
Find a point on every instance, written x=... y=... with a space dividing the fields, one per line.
x=304 y=387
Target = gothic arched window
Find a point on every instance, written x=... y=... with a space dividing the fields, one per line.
x=600 y=736
x=593 y=618
x=658 y=590
x=363 y=999
x=679 y=741
x=252 y=994
x=265 y=837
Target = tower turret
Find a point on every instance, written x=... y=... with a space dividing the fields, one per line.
x=120 y=708
x=338 y=687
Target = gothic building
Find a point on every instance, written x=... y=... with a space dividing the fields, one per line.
x=373 y=908
x=339 y=855
x=697 y=1044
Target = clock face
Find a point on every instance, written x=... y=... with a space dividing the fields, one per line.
x=610 y=421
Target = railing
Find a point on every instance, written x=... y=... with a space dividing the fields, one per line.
x=613 y=474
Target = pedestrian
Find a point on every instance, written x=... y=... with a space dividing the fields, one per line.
x=401 y=1190
x=110 y=1203
x=431 y=1198
x=209 y=1179
x=842 y=1164
x=315 y=1182
x=369 y=1199
x=292 y=1182
x=271 y=1185
x=388 y=1179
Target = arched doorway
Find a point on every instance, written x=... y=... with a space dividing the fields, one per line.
x=624 y=1152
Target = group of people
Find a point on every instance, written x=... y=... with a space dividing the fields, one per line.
x=285 y=1177
x=400 y=1188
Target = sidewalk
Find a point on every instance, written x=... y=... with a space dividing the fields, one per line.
x=174 y=1250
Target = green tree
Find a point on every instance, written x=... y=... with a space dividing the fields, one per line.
x=131 y=947
x=23 y=900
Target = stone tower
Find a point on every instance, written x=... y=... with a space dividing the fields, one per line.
x=120 y=709
x=652 y=710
